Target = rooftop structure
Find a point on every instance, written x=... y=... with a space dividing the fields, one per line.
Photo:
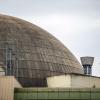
x=87 y=63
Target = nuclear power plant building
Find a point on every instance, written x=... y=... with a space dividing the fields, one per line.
x=35 y=65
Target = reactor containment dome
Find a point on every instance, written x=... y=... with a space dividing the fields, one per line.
x=31 y=54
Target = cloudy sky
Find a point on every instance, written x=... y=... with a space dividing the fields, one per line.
x=76 y=23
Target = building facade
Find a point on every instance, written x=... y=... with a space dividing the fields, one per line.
x=73 y=81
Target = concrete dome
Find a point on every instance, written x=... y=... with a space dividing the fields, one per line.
x=31 y=54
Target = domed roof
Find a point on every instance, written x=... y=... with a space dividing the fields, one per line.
x=31 y=54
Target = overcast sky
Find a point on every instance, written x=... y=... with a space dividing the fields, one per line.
x=76 y=23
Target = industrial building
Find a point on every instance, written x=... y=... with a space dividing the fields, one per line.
x=32 y=57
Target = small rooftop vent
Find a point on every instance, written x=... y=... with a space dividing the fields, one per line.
x=87 y=63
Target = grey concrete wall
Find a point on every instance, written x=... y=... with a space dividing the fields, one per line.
x=73 y=81
x=59 y=81
x=79 y=81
